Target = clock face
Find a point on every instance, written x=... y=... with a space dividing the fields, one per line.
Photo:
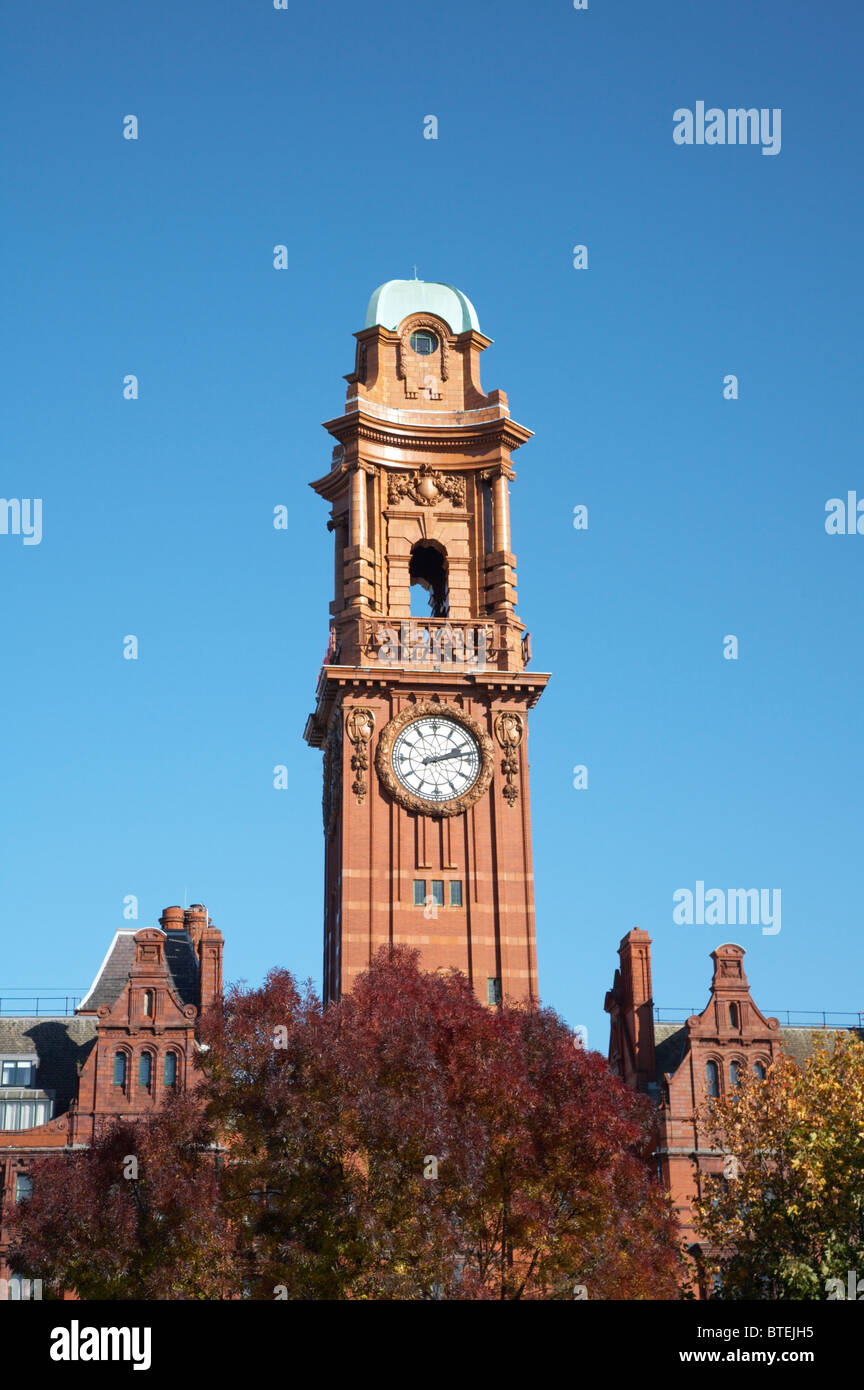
x=436 y=758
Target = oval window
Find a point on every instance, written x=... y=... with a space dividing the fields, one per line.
x=423 y=342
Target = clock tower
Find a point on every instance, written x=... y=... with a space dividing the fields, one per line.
x=422 y=702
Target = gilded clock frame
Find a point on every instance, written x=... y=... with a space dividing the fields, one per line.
x=423 y=709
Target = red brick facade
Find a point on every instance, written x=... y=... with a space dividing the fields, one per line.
x=677 y=1064
x=130 y=1042
x=419 y=487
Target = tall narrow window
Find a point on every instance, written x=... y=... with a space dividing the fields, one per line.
x=733 y=1015
x=23 y=1187
x=145 y=1070
x=171 y=1069
x=120 y=1069
x=148 y=1003
x=712 y=1079
x=735 y=1073
x=438 y=892
x=419 y=892
x=486 y=495
x=493 y=991
x=455 y=892
x=428 y=575
x=759 y=1071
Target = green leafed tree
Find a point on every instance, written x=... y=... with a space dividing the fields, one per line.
x=788 y=1219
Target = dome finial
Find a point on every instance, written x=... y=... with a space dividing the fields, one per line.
x=396 y=299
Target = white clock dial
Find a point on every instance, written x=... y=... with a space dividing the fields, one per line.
x=436 y=758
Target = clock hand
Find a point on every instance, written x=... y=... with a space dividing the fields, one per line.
x=442 y=757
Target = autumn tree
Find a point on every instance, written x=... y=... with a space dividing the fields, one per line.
x=789 y=1214
x=136 y=1216
x=414 y=1144
x=404 y=1143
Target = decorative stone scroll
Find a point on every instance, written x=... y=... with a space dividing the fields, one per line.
x=359 y=725
x=332 y=777
x=509 y=730
x=426 y=487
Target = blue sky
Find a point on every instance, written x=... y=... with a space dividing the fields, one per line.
x=706 y=516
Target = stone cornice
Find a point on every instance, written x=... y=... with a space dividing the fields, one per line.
x=451 y=430
x=370 y=681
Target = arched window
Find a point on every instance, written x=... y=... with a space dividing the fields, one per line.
x=733 y=1015
x=170 y=1068
x=712 y=1079
x=759 y=1071
x=145 y=1070
x=120 y=1069
x=149 y=1001
x=428 y=575
x=735 y=1070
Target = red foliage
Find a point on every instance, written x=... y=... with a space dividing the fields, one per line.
x=405 y=1143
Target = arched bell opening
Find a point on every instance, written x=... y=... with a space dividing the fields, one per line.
x=428 y=574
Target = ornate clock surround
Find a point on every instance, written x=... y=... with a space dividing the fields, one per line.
x=384 y=767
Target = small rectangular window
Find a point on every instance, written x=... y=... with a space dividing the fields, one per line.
x=18 y=1073
x=419 y=892
x=455 y=892
x=493 y=991
x=23 y=1187
x=438 y=891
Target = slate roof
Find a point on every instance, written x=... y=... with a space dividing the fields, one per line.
x=670 y=1044
x=61 y=1044
x=113 y=974
x=797 y=1042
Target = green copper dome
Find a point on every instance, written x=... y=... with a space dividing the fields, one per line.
x=394 y=301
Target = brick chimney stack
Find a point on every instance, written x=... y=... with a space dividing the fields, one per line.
x=634 y=1002
x=207 y=941
x=195 y=920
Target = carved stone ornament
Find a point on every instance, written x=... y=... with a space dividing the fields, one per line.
x=412 y=325
x=332 y=777
x=359 y=725
x=426 y=487
x=509 y=731
x=384 y=765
